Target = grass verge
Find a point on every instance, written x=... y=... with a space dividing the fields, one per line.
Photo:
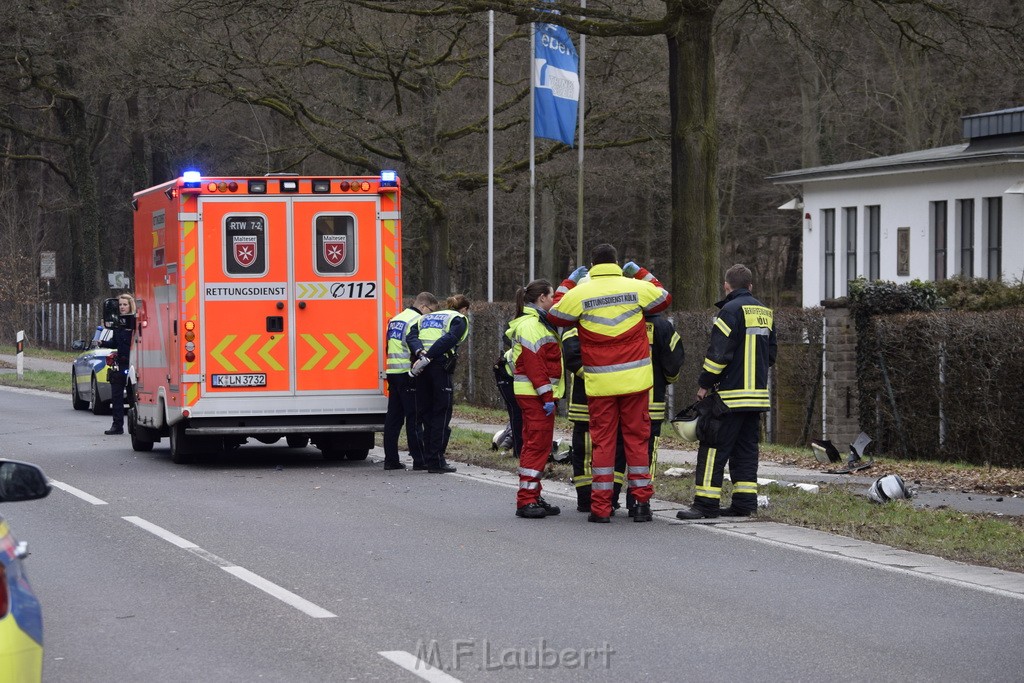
x=45 y=380
x=51 y=354
x=966 y=537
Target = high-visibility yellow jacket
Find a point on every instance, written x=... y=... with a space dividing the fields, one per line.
x=438 y=334
x=741 y=350
x=609 y=313
x=399 y=354
x=535 y=356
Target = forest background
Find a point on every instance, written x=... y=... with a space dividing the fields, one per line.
x=689 y=105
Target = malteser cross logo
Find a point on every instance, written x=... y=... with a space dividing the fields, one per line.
x=244 y=251
x=335 y=248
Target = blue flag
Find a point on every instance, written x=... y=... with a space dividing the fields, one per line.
x=556 y=81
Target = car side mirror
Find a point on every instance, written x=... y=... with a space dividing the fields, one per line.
x=111 y=313
x=21 y=481
x=78 y=345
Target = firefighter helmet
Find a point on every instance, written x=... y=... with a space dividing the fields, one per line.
x=889 y=487
x=685 y=423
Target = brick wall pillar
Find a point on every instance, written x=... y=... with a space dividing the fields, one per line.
x=841 y=414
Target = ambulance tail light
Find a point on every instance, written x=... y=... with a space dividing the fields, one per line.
x=190 y=337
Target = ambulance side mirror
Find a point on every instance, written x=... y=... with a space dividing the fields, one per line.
x=111 y=313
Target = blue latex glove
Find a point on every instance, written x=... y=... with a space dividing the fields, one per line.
x=578 y=274
x=549 y=408
x=630 y=269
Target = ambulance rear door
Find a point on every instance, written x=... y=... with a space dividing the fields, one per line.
x=338 y=307
x=245 y=299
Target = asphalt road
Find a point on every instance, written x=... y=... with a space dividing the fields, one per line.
x=272 y=564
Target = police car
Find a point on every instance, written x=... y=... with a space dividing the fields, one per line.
x=21 y=617
x=90 y=389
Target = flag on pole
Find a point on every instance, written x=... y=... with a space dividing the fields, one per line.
x=556 y=84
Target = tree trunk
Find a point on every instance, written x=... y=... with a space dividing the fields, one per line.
x=436 y=255
x=695 y=239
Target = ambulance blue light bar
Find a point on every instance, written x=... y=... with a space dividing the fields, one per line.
x=192 y=179
x=388 y=179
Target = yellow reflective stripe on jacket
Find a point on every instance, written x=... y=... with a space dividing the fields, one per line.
x=398 y=360
x=435 y=325
x=531 y=333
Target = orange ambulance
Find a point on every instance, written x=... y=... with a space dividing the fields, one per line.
x=262 y=308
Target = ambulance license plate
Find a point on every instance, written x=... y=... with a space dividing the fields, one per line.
x=254 y=379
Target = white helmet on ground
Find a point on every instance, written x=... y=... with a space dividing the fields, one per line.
x=502 y=439
x=889 y=487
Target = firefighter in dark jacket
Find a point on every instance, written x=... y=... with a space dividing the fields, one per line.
x=741 y=350
x=117 y=373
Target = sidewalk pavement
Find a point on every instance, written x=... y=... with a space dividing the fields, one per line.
x=923 y=498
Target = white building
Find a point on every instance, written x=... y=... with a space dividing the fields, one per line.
x=924 y=215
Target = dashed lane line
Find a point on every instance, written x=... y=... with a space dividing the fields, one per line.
x=268 y=587
x=417 y=666
x=79 y=493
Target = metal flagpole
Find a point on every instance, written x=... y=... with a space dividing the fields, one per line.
x=579 y=170
x=533 y=181
x=490 y=157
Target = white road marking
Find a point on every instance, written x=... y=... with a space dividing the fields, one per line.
x=284 y=595
x=77 y=492
x=160 y=532
x=268 y=587
x=417 y=666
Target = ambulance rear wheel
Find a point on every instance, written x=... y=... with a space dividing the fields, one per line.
x=333 y=454
x=357 y=454
x=138 y=434
x=297 y=440
x=182 y=451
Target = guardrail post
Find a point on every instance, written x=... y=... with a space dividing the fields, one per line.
x=20 y=354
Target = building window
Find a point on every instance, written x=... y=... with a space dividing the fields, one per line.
x=965 y=235
x=828 y=223
x=994 y=236
x=850 y=229
x=873 y=216
x=938 y=229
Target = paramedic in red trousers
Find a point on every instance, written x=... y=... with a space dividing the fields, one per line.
x=608 y=312
x=402 y=387
x=536 y=361
x=667 y=357
x=434 y=342
x=741 y=350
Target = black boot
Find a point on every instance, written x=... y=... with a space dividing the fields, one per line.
x=114 y=429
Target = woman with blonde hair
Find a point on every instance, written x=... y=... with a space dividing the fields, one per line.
x=117 y=373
